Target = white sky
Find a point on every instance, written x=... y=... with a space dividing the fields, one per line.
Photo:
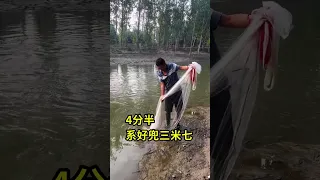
x=133 y=19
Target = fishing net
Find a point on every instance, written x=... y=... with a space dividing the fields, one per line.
x=235 y=78
x=178 y=95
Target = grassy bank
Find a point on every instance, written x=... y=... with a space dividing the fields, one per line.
x=184 y=159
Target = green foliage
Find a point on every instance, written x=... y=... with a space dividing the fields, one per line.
x=162 y=23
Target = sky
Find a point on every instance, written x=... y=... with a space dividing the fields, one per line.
x=133 y=19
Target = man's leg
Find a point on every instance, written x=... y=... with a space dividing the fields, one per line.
x=179 y=105
x=221 y=119
x=168 y=107
x=168 y=118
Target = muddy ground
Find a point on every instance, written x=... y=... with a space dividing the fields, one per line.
x=182 y=160
x=191 y=160
x=278 y=161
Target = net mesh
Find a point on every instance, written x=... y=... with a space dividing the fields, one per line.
x=236 y=78
x=178 y=96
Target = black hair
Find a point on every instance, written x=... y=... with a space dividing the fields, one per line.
x=160 y=62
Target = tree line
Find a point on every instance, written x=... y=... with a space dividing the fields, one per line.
x=161 y=24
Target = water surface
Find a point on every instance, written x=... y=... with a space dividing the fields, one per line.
x=54 y=93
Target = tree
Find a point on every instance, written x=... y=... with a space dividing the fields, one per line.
x=164 y=24
x=113 y=35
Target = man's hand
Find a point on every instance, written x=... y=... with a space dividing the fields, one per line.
x=162 y=97
x=192 y=66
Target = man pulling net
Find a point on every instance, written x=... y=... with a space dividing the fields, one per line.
x=234 y=78
x=168 y=77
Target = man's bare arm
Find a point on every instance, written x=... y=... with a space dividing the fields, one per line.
x=235 y=20
x=184 y=67
x=161 y=88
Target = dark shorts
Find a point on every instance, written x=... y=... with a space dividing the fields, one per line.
x=174 y=100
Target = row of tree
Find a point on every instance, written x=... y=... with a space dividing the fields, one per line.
x=161 y=24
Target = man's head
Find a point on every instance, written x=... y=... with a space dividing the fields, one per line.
x=161 y=64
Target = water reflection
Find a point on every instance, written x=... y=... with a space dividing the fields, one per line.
x=53 y=92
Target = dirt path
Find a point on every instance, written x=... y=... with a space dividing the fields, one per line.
x=184 y=160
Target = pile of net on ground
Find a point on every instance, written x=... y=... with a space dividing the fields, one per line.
x=238 y=74
x=184 y=85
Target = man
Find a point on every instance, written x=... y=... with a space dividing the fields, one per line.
x=220 y=108
x=231 y=21
x=167 y=74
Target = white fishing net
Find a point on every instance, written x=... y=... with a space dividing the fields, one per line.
x=179 y=96
x=236 y=77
